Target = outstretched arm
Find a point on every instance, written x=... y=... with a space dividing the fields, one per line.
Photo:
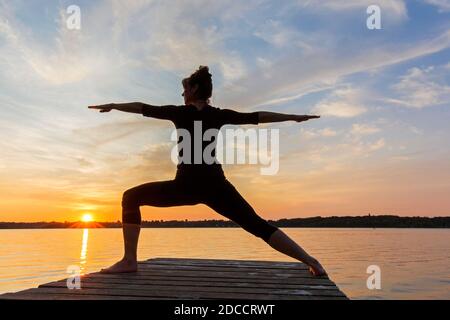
x=229 y=116
x=133 y=107
x=267 y=117
x=166 y=112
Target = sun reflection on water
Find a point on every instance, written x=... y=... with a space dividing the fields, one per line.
x=84 y=247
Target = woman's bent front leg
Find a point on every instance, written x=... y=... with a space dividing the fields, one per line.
x=157 y=194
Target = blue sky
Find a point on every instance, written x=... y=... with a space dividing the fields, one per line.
x=381 y=145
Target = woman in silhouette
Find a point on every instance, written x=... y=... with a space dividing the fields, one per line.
x=200 y=182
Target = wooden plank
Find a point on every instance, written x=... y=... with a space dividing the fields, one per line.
x=223 y=276
x=37 y=294
x=187 y=281
x=226 y=263
x=216 y=272
x=284 y=278
x=198 y=289
x=179 y=277
x=300 y=273
x=178 y=295
x=233 y=274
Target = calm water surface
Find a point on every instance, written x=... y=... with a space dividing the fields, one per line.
x=415 y=263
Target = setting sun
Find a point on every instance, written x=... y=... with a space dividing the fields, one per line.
x=87 y=218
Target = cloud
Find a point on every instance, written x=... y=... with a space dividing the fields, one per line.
x=392 y=8
x=377 y=145
x=358 y=149
x=151 y=34
x=177 y=39
x=363 y=129
x=343 y=154
x=69 y=58
x=311 y=133
x=327 y=132
x=421 y=88
x=315 y=88
x=342 y=103
x=152 y=163
x=100 y=135
x=292 y=75
x=275 y=33
x=442 y=5
x=339 y=109
x=174 y=37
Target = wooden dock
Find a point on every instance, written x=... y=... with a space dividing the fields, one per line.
x=173 y=278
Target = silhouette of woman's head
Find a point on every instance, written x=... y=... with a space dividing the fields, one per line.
x=198 y=87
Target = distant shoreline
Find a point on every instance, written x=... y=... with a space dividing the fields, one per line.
x=368 y=221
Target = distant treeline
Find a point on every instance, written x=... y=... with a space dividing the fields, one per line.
x=369 y=221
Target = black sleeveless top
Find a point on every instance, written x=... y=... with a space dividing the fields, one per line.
x=184 y=117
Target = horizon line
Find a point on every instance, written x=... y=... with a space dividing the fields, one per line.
x=186 y=220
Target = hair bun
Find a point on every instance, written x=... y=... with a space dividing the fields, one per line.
x=203 y=79
x=204 y=70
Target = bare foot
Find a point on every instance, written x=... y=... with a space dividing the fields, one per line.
x=316 y=269
x=123 y=266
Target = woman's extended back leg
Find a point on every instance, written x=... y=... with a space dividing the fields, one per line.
x=227 y=201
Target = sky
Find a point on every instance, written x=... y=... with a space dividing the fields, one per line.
x=381 y=146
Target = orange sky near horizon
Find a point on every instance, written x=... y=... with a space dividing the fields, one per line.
x=287 y=195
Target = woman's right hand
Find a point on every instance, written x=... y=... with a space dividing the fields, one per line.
x=301 y=118
x=103 y=107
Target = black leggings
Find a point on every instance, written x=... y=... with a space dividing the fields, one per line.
x=217 y=193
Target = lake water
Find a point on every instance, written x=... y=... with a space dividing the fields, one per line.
x=414 y=263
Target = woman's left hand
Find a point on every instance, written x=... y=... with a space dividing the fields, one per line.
x=103 y=107
x=305 y=118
